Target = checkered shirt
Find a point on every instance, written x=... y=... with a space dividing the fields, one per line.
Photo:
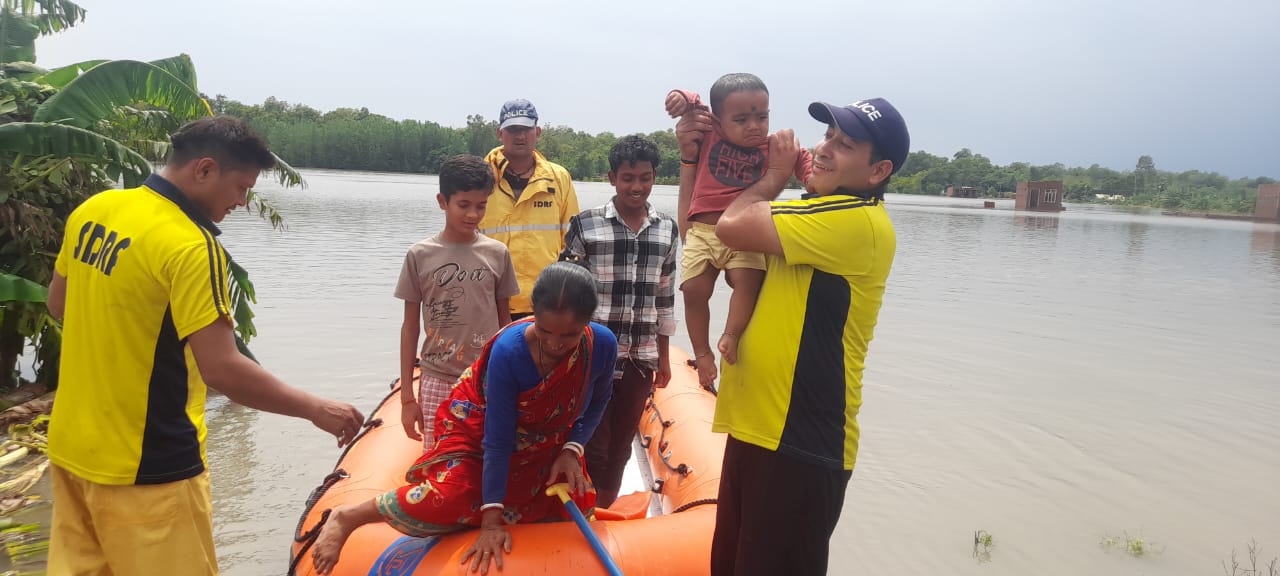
x=635 y=277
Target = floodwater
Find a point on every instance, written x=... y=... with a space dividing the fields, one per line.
x=1053 y=380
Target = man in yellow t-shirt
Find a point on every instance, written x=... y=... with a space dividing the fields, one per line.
x=790 y=403
x=141 y=288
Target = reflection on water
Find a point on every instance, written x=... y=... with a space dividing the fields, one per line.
x=1048 y=379
x=1137 y=240
x=1039 y=222
x=237 y=430
x=1266 y=242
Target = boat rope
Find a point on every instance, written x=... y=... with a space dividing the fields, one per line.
x=646 y=440
x=695 y=503
x=694 y=364
x=309 y=538
x=370 y=425
x=682 y=469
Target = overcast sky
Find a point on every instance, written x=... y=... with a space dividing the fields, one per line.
x=1195 y=85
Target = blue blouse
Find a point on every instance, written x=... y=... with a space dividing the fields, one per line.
x=512 y=371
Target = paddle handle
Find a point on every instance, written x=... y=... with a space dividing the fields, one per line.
x=562 y=490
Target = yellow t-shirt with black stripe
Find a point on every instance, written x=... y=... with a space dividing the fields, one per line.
x=144 y=271
x=797 y=385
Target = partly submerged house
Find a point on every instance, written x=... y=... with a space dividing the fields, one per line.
x=1268 y=206
x=1042 y=196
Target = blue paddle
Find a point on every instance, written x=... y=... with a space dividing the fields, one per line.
x=562 y=490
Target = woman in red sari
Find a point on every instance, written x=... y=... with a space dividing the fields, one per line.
x=514 y=424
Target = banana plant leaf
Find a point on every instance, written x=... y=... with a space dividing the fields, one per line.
x=94 y=95
x=19 y=289
x=40 y=139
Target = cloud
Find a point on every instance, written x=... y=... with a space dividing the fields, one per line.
x=1039 y=81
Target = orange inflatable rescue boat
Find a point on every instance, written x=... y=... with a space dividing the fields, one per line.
x=665 y=529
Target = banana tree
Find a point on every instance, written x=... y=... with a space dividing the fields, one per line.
x=109 y=119
x=22 y=21
x=36 y=194
x=23 y=319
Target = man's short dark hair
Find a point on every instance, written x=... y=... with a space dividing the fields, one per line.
x=229 y=141
x=463 y=173
x=632 y=149
x=730 y=83
x=877 y=156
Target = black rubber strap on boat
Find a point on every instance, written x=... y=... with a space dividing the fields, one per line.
x=694 y=504
x=338 y=474
x=682 y=469
x=319 y=491
x=370 y=425
x=309 y=538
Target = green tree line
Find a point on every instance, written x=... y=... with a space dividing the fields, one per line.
x=351 y=139
x=356 y=139
x=1192 y=190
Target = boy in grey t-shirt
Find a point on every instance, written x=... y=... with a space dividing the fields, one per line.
x=455 y=286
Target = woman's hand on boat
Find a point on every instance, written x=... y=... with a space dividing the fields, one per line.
x=568 y=466
x=411 y=419
x=493 y=542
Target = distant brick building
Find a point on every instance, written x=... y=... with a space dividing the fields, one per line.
x=962 y=192
x=1268 y=206
x=1043 y=196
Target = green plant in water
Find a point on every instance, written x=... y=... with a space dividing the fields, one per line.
x=1131 y=545
x=983 y=543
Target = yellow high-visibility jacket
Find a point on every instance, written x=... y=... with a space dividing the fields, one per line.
x=532 y=226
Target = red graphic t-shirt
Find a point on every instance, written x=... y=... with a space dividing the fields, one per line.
x=726 y=169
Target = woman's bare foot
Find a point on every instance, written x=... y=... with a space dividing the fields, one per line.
x=707 y=371
x=342 y=522
x=728 y=346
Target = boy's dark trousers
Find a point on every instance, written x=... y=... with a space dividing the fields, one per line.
x=609 y=449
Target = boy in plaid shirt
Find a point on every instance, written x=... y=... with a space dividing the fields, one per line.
x=631 y=250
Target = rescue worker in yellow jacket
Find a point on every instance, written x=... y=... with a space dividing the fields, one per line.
x=532 y=200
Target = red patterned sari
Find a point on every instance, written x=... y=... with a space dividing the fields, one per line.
x=444 y=490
